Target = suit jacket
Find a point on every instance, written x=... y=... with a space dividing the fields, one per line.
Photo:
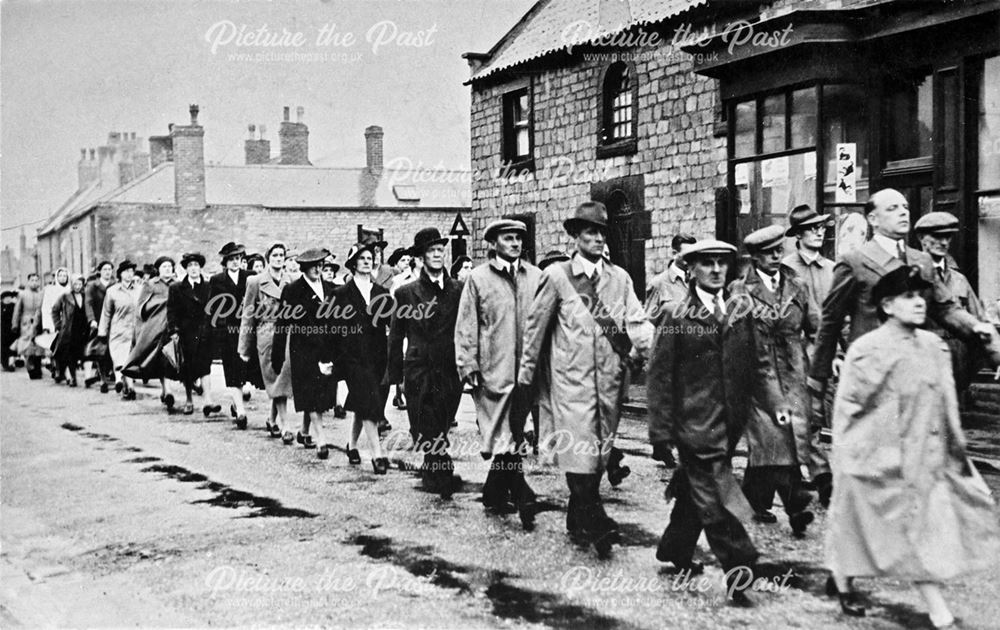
x=425 y=317
x=854 y=276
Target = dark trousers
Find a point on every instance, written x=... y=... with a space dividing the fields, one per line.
x=505 y=482
x=691 y=485
x=761 y=482
x=585 y=513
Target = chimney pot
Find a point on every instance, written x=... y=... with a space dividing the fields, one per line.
x=251 y=129
x=193 y=109
x=286 y=114
x=83 y=154
x=263 y=130
x=92 y=154
x=373 y=148
x=299 y=113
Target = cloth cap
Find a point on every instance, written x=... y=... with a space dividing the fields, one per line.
x=707 y=247
x=937 y=223
x=764 y=239
x=504 y=225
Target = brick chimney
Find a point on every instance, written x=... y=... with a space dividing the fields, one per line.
x=373 y=148
x=87 y=170
x=294 y=139
x=189 y=163
x=256 y=148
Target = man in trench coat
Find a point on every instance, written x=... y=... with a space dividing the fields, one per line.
x=587 y=314
x=491 y=319
x=424 y=316
x=700 y=381
x=782 y=313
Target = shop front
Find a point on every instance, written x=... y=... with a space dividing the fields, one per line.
x=902 y=95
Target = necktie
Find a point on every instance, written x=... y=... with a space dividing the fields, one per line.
x=720 y=316
x=940 y=273
x=901 y=250
x=594 y=277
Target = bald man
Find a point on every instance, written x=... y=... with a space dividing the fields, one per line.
x=856 y=272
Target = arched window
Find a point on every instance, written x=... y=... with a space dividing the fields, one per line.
x=618 y=107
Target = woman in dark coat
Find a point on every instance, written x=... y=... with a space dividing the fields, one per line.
x=70 y=319
x=304 y=319
x=188 y=322
x=146 y=360
x=362 y=351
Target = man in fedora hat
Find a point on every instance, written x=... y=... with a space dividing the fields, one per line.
x=814 y=269
x=228 y=288
x=701 y=378
x=935 y=231
x=782 y=314
x=495 y=304
x=857 y=271
x=588 y=322
x=189 y=323
x=424 y=318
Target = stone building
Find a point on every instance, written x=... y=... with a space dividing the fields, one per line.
x=716 y=118
x=169 y=201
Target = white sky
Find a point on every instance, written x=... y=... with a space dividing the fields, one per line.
x=73 y=70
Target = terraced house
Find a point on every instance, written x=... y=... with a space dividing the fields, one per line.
x=718 y=117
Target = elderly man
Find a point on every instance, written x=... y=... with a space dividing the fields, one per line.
x=424 y=318
x=491 y=319
x=856 y=273
x=935 y=231
x=701 y=380
x=782 y=314
x=589 y=323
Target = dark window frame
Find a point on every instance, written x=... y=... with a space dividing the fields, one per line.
x=513 y=163
x=607 y=145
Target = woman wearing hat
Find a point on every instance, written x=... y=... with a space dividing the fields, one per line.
x=70 y=319
x=118 y=323
x=907 y=503
x=255 y=264
x=304 y=321
x=146 y=359
x=190 y=324
x=260 y=315
x=361 y=351
x=227 y=290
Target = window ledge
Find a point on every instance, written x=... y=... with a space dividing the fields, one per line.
x=906 y=167
x=627 y=146
x=525 y=165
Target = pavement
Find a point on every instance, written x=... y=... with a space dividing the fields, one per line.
x=117 y=514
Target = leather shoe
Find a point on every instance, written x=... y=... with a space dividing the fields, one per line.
x=849 y=604
x=765 y=517
x=380 y=465
x=168 y=401
x=118 y=387
x=287 y=438
x=188 y=409
x=799 y=521
x=241 y=422
x=353 y=456
x=210 y=409
x=307 y=442
x=104 y=388
x=323 y=452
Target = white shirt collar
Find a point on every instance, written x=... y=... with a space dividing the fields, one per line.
x=676 y=274
x=891 y=246
x=439 y=281
x=364 y=286
x=590 y=267
x=710 y=300
x=317 y=286
x=771 y=282
x=808 y=255
x=235 y=275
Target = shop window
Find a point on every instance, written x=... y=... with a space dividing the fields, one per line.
x=618 y=110
x=909 y=114
x=517 y=140
x=989 y=126
x=773 y=124
x=745 y=134
x=845 y=125
x=803 y=118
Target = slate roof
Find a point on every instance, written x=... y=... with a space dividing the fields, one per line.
x=282 y=186
x=541 y=30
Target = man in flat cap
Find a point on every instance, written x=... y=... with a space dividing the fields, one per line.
x=589 y=323
x=935 y=231
x=782 y=313
x=492 y=314
x=856 y=273
x=424 y=318
x=701 y=380
x=228 y=288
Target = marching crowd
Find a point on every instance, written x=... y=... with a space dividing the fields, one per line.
x=876 y=347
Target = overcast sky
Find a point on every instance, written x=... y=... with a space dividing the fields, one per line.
x=74 y=70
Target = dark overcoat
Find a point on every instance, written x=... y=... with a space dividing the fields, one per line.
x=187 y=316
x=700 y=381
x=306 y=323
x=361 y=349
x=225 y=302
x=146 y=359
x=425 y=316
x=71 y=322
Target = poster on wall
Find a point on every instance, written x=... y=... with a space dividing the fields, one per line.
x=847 y=173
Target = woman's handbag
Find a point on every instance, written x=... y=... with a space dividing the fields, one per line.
x=172 y=353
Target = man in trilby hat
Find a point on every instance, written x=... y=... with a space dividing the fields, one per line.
x=228 y=288
x=809 y=227
x=589 y=323
x=495 y=304
x=424 y=317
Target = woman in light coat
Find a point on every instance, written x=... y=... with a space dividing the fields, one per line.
x=118 y=324
x=907 y=503
x=51 y=293
x=260 y=314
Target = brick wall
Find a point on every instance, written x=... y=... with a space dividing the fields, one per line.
x=682 y=163
x=142 y=232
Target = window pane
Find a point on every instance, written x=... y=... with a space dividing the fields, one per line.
x=746 y=129
x=844 y=121
x=989 y=126
x=767 y=190
x=950 y=133
x=803 y=118
x=910 y=122
x=774 y=123
x=522 y=142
